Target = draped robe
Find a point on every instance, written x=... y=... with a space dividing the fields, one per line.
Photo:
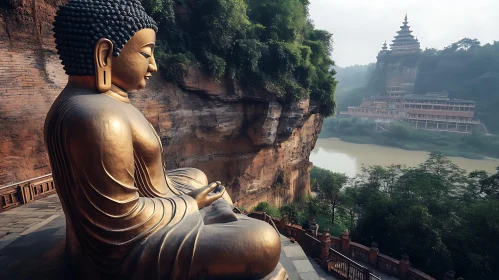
x=126 y=216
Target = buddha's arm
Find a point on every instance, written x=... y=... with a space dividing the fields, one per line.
x=101 y=148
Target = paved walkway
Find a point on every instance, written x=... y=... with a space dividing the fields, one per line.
x=297 y=264
x=32 y=242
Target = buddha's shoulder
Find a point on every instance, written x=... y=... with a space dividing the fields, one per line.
x=93 y=109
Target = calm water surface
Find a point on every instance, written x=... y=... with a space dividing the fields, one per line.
x=348 y=158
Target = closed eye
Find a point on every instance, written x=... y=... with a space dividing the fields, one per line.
x=146 y=55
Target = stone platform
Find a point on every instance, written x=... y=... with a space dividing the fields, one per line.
x=33 y=238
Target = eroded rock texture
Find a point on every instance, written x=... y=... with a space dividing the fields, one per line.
x=245 y=139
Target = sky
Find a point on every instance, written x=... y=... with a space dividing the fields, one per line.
x=360 y=27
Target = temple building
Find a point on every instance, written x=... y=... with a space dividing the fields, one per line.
x=404 y=42
x=430 y=111
x=396 y=101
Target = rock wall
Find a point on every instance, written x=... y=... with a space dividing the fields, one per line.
x=395 y=70
x=244 y=139
x=401 y=75
x=30 y=79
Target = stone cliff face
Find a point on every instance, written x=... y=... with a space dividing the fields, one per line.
x=396 y=71
x=30 y=79
x=244 y=139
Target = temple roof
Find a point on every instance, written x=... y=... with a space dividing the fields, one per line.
x=404 y=39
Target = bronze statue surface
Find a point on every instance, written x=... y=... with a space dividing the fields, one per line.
x=127 y=217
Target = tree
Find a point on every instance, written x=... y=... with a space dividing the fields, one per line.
x=464 y=44
x=330 y=187
x=489 y=185
x=292 y=211
x=445 y=172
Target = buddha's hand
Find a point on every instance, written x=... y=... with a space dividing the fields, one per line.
x=207 y=195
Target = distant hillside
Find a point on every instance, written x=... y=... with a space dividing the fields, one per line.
x=466 y=70
x=353 y=76
x=352 y=81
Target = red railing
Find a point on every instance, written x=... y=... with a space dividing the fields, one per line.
x=359 y=251
x=345 y=268
x=312 y=246
x=260 y=216
x=26 y=191
x=269 y=220
x=325 y=249
x=415 y=274
x=388 y=264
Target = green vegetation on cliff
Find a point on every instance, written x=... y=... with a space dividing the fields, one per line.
x=265 y=45
x=399 y=135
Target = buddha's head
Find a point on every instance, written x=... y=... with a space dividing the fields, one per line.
x=110 y=40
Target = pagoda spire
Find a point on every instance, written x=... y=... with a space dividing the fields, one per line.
x=404 y=41
x=384 y=50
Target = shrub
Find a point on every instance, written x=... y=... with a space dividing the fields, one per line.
x=268 y=208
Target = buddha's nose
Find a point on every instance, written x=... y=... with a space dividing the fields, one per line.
x=152 y=65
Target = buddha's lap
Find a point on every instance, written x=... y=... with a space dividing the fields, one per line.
x=254 y=241
x=244 y=232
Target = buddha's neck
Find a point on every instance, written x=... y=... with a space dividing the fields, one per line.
x=118 y=93
x=88 y=82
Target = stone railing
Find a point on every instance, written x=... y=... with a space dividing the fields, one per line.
x=343 y=250
x=27 y=191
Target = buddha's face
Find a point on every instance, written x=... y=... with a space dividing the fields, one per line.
x=135 y=64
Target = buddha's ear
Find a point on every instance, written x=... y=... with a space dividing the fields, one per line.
x=102 y=58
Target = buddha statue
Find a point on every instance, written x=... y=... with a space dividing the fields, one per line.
x=126 y=215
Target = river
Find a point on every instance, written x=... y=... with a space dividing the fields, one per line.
x=348 y=158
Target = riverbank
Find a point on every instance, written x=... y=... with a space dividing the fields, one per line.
x=345 y=157
x=472 y=146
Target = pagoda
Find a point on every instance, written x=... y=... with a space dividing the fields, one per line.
x=396 y=67
x=404 y=42
x=384 y=50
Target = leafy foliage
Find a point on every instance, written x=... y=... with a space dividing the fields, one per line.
x=266 y=45
x=330 y=185
x=268 y=208
x=441 y=217
x=426 y=212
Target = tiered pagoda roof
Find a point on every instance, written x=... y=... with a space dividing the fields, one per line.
x=404 y=41
x=384 y=50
